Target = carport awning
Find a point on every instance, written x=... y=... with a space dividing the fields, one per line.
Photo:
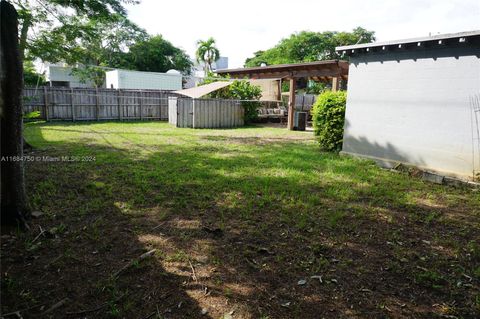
x=199 y=91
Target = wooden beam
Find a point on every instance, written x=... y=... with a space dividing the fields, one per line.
x=291 y=103
x=302 y=73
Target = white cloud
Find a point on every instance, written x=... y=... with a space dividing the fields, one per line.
x=243 y=27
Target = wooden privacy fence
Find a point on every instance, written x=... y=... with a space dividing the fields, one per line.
x=80 y=104
x=205 y=113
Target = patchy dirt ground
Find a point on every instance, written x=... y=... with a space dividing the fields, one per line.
x=246 y=223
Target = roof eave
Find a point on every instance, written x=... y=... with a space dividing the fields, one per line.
x=387 y=44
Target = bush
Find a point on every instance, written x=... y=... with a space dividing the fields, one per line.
x=328 y=115
x=240 y=90
x=243 y=90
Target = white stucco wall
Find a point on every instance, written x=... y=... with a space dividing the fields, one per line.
x=125 y=79
x=111 y=79
x=64 y=74
x=413 y=107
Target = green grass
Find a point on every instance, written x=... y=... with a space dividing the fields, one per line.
x=243 y=170
x=266 y=187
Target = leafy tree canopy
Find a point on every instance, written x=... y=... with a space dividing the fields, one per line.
x=93 y=35
x=207 y=52
x=307 y=46
x=155 y=54
x=38 y=18
x=88 y=41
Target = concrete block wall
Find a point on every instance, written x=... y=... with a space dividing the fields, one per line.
x=413 y=106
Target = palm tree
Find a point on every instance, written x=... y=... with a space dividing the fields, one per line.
x=208 y=53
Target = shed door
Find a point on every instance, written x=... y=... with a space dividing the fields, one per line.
x=185 y=113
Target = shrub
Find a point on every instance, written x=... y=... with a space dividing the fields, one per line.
x=241 y=90
x=328 y=115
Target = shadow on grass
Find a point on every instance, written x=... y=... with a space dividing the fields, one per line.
x=237 y=222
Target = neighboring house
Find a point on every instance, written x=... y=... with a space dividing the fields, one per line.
x=127 y=79
x=409 y=101
x=61 y=75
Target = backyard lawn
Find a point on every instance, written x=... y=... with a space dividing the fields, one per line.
x=247 y=223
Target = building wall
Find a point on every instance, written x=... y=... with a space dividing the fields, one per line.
x=56 y=73
x=124 y=79
x=413 y=107
x=221 y=63
x=111 y=79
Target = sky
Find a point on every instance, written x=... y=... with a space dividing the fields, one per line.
x=242 y=27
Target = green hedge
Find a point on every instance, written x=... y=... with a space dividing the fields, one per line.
x=328 y=115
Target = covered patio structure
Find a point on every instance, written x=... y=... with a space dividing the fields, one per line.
x=321 y=71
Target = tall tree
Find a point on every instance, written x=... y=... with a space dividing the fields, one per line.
x=40 y=17
x=155 y=54
x=14 y=207
x=94 y=44
x=309 y=46
x=207 y=52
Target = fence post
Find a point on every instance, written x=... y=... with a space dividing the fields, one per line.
x=193 y=113
x=45 y=102
x=72 y=104
x=119 y=105
x=160 y=100
x=140 y=105
x=97 y=107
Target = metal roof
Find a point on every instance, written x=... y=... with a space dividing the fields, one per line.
x=438 y=38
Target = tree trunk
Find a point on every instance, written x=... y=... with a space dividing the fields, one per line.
x=27 y=22
x=13 y=199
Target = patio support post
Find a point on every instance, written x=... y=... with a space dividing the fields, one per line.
x=291 y=103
